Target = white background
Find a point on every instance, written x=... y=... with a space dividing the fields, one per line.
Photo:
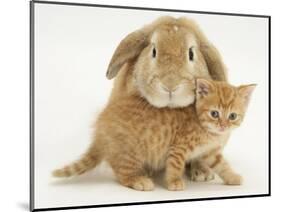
x=14 y=107
x=73 y=46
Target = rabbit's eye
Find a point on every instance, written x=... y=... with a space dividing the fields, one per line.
x=153 y=52
x=191 y=54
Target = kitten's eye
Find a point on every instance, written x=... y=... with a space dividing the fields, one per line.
x=153 y=52
x=232 y=116
x=214 y=114
x=191 y=54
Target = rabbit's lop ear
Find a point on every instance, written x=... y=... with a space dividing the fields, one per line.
x=211 y=55
x=214 y=62
x=129 y=48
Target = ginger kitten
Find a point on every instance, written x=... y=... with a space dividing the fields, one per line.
x=135 y=137
x=219 y=108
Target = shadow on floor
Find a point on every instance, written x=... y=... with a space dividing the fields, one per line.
x=23 y=205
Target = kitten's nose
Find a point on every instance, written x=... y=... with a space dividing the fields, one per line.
x=223 y=126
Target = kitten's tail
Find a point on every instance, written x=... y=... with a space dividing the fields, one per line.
x=88 y=161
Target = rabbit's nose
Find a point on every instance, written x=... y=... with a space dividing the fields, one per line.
x=169 y=89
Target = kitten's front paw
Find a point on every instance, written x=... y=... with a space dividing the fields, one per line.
x=176 y=185
x=143 y=184
x=201 y=175
x=233 y=179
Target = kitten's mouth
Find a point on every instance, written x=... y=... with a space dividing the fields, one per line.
x=217 y=130
x=222 y=129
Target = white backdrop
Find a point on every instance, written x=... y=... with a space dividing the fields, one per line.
x=73 y=46
x=14 y=89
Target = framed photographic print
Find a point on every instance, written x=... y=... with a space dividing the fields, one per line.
x=145 y=105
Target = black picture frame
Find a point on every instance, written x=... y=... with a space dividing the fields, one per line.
x=32 y=99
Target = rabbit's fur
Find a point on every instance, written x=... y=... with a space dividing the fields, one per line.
x=154 y=69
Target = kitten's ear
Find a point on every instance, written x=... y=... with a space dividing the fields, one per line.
x=245 y=91
x=203 y=87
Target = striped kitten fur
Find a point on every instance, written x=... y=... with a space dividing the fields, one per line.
x=129 y=137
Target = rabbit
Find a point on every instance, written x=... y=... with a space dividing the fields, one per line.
x=155 y=69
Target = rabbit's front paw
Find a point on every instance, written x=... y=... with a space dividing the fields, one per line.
x=200 y=175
